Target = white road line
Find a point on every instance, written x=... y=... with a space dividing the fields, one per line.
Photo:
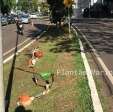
x=20 y=50
x=94 y=94
x=10 y=57
x=15 y=47
x=108 y=75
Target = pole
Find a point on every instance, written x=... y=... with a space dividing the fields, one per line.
x=89 y=7
x=69 y=23
x=2 y=103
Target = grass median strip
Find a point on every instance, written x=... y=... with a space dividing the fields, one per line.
x=69 y=92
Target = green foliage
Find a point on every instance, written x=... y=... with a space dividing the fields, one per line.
x=44 y=7
x=7 y=5
x=23 y=5
x=58 y=10
x=34 y=5
x=28 y=5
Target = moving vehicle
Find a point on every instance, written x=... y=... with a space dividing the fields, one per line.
x=20 y=28
x=24 y=19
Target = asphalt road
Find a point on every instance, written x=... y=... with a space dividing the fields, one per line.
x=9 y=34
x=100 y=35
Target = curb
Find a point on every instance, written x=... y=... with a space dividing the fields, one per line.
x=94 y=94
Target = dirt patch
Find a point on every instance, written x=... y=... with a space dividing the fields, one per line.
x=65 y=82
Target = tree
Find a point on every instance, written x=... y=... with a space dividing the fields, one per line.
x=34 y=5
x=28 y=5
x=23 y=5
x=7 y=5
x=59 y=9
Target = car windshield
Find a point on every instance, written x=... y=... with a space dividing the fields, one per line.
x=24 y=16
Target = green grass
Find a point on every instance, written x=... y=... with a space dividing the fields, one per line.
x=67 y=95
x=82 y=88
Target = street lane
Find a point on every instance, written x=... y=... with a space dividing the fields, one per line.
x=100 y=34
x=9 y=34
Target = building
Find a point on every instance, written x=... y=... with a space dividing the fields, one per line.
x=80 y=5
x=109 y=3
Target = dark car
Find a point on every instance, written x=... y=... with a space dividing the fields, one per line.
x=10 y=19
x=4 y=20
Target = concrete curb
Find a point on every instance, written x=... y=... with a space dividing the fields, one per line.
x=94 y=94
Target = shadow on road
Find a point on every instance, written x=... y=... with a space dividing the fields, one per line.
x=38 y=29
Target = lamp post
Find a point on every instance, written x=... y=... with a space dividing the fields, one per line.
x=89 y=8
x=2 y=103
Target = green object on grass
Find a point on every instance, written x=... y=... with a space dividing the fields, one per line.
x=45 y=76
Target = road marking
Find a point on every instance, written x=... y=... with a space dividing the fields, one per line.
x=94 y=94
x=20 y=50
x=7 y=52
x=107 y=75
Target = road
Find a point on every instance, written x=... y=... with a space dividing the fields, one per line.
x=9 y=35
x=100 y=34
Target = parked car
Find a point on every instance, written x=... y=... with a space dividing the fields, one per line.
x=10 y=19
x=4 y=20
x=33 y=16
x=24 y=19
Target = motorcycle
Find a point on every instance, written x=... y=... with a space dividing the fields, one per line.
x=20 y=28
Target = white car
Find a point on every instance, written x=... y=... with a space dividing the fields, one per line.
x=25 y=19
x=33 y=16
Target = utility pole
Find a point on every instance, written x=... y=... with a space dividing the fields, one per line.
x=16 y=4
x=69 y=22
x=2 y=102
x=89 y=7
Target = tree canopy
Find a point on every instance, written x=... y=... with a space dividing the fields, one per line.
x=59 y=9
x=7 y=5
x=28 y=5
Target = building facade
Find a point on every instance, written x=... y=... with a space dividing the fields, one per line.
x=80 y=5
